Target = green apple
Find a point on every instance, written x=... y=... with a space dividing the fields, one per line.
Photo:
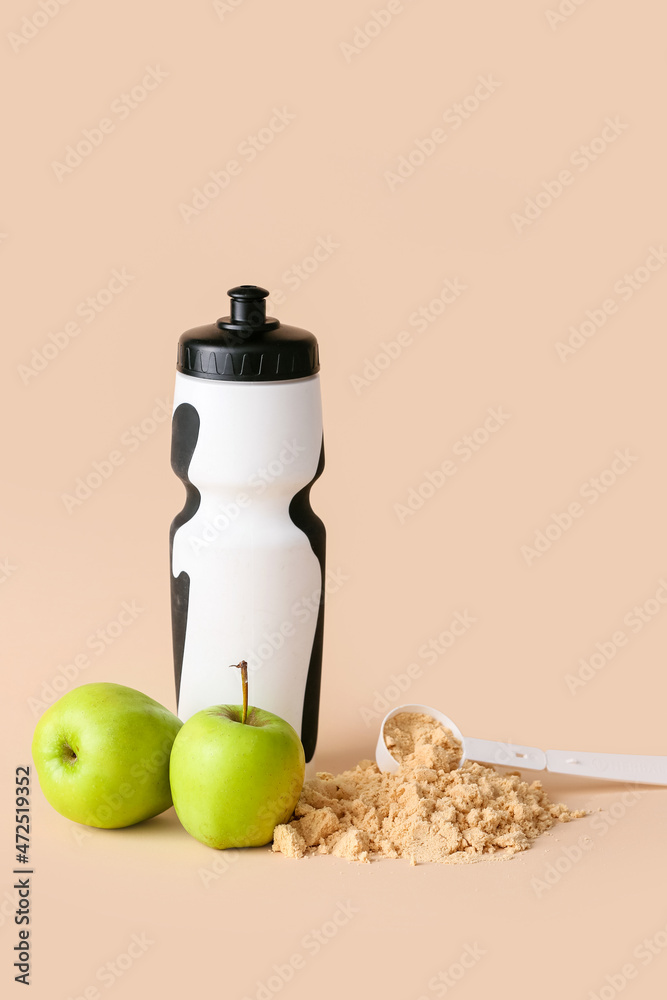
x=235 y=774
x=102 y=755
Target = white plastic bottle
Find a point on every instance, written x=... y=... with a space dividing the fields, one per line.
x=247 y=551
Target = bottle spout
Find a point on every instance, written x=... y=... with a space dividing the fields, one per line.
x=248 y=306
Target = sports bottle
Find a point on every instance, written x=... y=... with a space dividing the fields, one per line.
x=247 y=551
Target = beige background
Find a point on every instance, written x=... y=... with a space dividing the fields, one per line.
x=550 y=923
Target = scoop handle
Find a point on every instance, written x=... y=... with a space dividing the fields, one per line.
x=504 y=754
x=611 y=766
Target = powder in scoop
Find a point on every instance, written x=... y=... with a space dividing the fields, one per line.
x=429 y=810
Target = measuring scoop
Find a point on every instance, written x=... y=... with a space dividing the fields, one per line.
x=612 y=766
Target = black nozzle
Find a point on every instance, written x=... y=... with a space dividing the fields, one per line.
x=247 y=312
x=248 y=305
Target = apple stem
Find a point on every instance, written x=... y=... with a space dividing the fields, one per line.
x=243 y=667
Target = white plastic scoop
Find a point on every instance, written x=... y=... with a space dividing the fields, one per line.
x=613 y=766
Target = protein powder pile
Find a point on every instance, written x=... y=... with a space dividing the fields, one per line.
x=430 y=810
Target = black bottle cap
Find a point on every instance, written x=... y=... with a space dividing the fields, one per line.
x=248 y=346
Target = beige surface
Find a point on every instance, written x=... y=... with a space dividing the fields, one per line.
x=544 y=91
